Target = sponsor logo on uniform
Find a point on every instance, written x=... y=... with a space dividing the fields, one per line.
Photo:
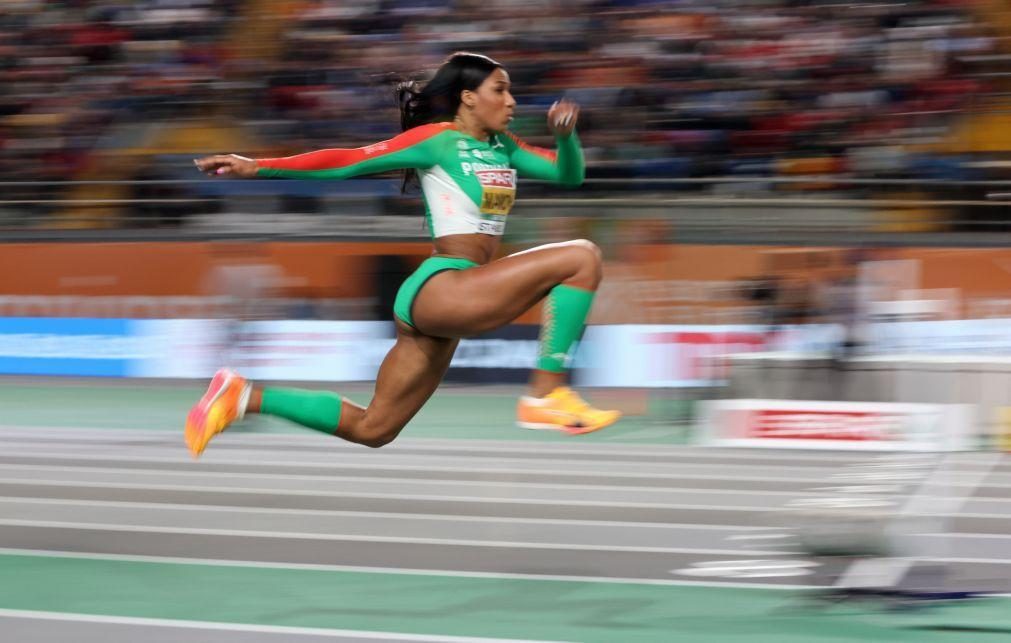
x=497 y=178
x=475 y=167
x=373 y=149
x=491 y=227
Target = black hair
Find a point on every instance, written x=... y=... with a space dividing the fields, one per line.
x=439 y=98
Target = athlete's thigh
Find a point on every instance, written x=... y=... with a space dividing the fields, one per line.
x=409 y=374
x=461 y=303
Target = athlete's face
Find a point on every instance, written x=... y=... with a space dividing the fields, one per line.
x=491 y=104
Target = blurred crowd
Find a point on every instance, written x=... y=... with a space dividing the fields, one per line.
x=673 y=89
x=73 y=72
x=677 y=89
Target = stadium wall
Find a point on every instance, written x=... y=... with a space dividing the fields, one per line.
x=662 y=283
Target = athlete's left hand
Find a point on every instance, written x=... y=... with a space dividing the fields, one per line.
x=562 y=117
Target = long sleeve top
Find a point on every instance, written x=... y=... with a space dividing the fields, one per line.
x=468 y=185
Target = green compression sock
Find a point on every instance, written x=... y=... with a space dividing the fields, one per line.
x=565 y=311
x=319 y=410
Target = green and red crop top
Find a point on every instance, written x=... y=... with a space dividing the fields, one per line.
x=468 y=185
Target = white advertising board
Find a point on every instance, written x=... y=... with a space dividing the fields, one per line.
x=667 y=356
x=835 y=425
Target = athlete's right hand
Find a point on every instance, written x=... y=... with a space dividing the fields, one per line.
x=227 y=164
x=562 y=117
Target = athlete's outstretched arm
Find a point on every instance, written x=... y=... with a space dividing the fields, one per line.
x=417 y=148
x=564 y=165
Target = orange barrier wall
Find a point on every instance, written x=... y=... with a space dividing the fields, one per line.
x=340 y=270
x=183 y=268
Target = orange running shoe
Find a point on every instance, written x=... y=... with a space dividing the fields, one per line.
x=223 y=403
x=562 y=410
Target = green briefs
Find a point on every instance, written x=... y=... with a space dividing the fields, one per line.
x=412 y=285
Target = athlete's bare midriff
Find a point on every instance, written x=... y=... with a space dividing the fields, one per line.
x=479 y=248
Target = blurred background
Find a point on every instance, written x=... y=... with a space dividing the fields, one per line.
x=762 y=164
x=801 y=203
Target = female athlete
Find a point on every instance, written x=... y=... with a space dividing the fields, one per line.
x=456 y=139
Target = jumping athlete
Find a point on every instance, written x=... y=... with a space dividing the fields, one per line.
x=456 y=140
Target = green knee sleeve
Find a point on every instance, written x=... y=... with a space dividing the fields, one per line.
x=565 y=312
x=319 y=410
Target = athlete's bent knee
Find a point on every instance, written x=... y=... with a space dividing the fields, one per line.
x=375 y=436
x=591 y=261
x=375 y=442
x=591 y=246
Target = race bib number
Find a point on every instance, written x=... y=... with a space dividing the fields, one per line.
x=498 y=190
x=491 y=226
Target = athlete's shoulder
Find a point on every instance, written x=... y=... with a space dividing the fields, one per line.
x=433 y=138
x=508 y=138
x=513 y=143
x=429 y=130
x=512 y=140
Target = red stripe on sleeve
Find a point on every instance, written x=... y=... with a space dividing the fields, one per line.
x=548 y=155
x=331 y=159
